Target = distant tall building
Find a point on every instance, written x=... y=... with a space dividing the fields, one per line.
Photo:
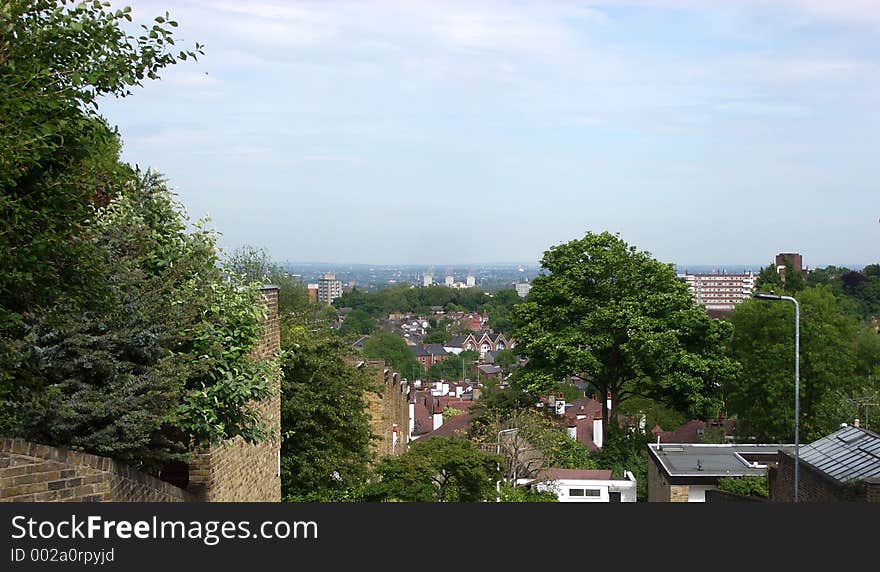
x=313 y=293
x=329 y=289
x=427 y=280
x=449 y=281
x=471 y=281
x=523 y=289
x=794 y=259
x=720 y=291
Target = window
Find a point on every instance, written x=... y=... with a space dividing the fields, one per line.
x=584 y=492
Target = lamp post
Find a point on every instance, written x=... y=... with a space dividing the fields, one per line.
x=498 y=450
x=797 y=400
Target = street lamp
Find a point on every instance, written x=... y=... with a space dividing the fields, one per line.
x=797 y=401
x=498 y=452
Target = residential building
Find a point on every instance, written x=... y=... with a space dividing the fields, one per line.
x=429 y=354
x=483 y=342
x=313 y=293
x=841 y=467
x=720 y=291
x=427 y=280
x=794 y=259
x=470 y=281
x=449 y=281
x=578 y=485
x=329 y=289
x=683 y=472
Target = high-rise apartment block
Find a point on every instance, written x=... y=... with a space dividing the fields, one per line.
x=329 y=289
x=720 y=291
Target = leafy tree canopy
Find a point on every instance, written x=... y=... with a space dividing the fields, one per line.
x=838 y=356
x=440 y=469
x=624 y=322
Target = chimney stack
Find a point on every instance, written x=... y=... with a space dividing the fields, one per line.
x=597 y=430
x=438 y=415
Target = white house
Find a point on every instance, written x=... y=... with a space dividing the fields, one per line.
x=578 y=485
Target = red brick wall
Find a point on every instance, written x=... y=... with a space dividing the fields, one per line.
x=813 y=486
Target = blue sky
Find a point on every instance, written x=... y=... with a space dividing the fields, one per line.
x=704 y=131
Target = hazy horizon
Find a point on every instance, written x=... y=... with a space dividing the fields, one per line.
x=392 y=132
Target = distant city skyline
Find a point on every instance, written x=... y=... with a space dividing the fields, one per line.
x=391 y=132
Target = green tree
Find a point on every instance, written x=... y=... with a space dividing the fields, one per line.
x=440 y=469
x=625 y=450
x=357 y=322
x=393 y=349
x=623 y=321
x=837 y=354
x=449 y=369
x=324 y=421
x=58 y=156
x=505 y=359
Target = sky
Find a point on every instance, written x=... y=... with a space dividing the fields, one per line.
x=703 y=131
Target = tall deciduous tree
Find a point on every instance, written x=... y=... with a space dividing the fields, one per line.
x=838 y=358
x=324 y=420
x=623 y=321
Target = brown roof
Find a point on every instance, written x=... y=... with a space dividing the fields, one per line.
x=579 y=474
x=691 y=432
x=458 y=426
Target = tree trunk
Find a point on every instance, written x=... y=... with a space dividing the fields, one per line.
x=606 y=413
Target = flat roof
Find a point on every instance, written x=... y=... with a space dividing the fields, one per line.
x=712 y=460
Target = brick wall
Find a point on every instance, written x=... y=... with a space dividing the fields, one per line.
x=38 y=473
x=237 y=471
x=813 y=486
x=658 y=488
x=388 y=406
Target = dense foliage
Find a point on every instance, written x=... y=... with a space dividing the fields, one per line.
x=119 y=335
x=324 y=420
x=624 y=322
x=839 y=363
x=751 y=486
x=440 y=469
x=394 y=350
x=405 y=298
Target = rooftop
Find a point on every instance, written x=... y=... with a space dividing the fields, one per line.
x=850 y=454
x=714 y=460
x=576 y=475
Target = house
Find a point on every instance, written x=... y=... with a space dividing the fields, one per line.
x=482 y=342
x=488 y=371
x=841 y=467
x=578 y=485
x=429 y=354
x=683 y=472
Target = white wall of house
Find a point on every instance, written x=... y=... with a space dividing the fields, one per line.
x=580 y=490
x=697 y=493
